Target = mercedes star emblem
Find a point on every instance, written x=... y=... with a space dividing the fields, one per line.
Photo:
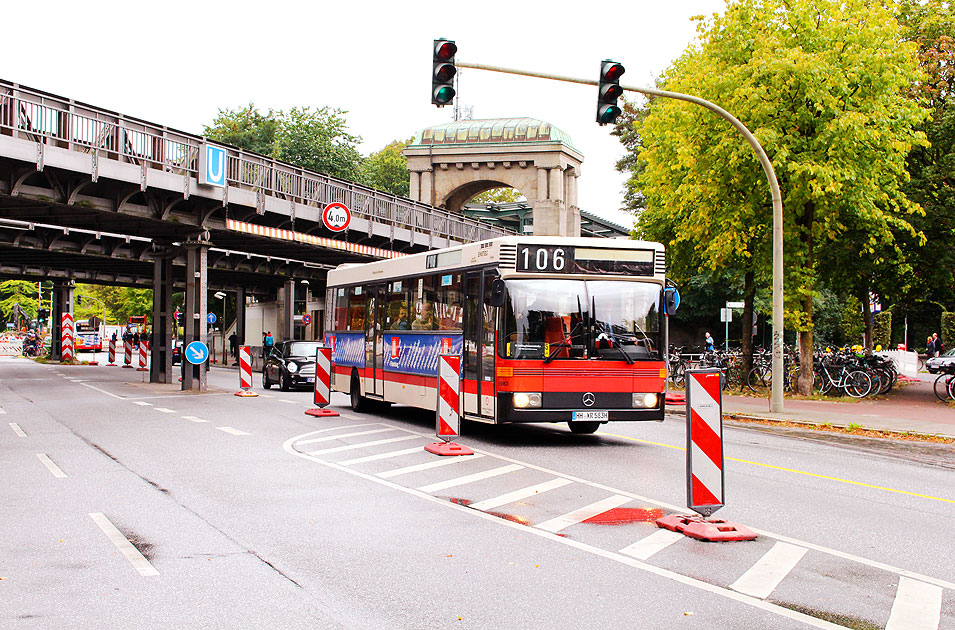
x=589 y=399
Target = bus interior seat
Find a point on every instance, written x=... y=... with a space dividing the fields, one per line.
x=555 y=332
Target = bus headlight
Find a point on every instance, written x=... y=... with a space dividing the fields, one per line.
x=644 y=400
x=525 y=400
x=292 y=367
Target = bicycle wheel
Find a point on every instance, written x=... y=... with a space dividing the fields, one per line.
x=951 y=388
x=759 y=379
x=941 y=386
x=858 y=384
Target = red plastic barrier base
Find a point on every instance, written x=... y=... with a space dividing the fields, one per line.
x=142 y=369
x=246 y=393
x=448 y=448
x=110 y=365
x=93 y=363
x=321 y=413
x=128 y=365
x=707 y=530
x=675 y=398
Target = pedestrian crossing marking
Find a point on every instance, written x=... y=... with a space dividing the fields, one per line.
x=763 y=577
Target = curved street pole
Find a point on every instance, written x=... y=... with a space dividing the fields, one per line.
x=776 y=402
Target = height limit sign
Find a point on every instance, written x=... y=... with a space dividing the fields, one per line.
x=336 y=216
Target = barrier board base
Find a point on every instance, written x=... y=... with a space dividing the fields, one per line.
x=321 y=413
x=93 y=363
x=707 y=530
x=448 y=448
x=246 y=393
x=675 y=398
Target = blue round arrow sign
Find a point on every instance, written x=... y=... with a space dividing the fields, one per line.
x=211 y=318
x=197 y=352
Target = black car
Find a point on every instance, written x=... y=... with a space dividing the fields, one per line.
x=290 y=364
x=943 y=363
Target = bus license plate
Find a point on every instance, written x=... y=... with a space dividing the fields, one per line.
x=591 y=415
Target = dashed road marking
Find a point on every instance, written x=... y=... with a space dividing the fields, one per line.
x=466 y=479
x=142 y=403
x=763 y=577
x=659 y=540
x=164 y=410
x=917 y=606
x=2 y=411
x=286 y=401
x=53 y=468
x=194 y=419
x=129 y=551
x=588 y=511
x=517 y=495
x=232 y=431
x=16 y=429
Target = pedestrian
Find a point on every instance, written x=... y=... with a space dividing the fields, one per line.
x=710 y=347
x=930 y=346
x=269 y=342
x=937 y=345
x=234 y=347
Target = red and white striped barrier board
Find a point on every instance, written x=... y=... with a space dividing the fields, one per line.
x=323 y=381
x=112 y=353
x=704 y=463
x=447 y=415
x=245 y=372
x=143 y=354
x=67 y=349
x=127 y=353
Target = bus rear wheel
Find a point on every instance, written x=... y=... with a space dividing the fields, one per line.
x=358 y=402
x=583 y=427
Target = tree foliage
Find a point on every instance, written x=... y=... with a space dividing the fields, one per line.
x=822 y=85
x=387 y=169
x=18 y=292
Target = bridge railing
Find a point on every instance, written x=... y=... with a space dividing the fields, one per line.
x=56 y=121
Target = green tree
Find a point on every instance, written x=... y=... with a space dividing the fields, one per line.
x=498 y=195
x=311 y=138
x=821 y=83
x=18 y=293
x=387 y=169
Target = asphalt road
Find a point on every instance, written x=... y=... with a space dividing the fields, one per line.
x=135 y=505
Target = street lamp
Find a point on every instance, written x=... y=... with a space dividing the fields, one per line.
x=221 y=295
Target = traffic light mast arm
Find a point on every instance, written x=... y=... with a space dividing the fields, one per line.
x=776 y=402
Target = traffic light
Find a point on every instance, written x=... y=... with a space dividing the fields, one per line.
x=608 y=91
x=442 y=72
x=79 y=300
x=42 y=314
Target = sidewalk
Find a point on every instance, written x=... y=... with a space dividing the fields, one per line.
x=912 y=407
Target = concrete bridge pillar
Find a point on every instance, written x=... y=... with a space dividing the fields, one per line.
x=62 y=303
x=194 y=313
x=160 y=353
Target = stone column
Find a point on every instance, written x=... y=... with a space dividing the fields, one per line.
x=414 y=187
x=427 y=187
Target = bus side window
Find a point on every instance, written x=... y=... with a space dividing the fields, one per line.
x=424 y=299
x=356 y=309
x=398 y=312
x=448 y=303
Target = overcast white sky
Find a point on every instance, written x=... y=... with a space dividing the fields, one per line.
x=175 y=63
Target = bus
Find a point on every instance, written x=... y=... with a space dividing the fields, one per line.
x=550 y=329
x=89 y=334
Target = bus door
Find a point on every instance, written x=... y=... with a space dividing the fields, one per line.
x=480 y=318
x=374 y=312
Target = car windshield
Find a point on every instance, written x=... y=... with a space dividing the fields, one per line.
x=302 y=349
x=560 y=319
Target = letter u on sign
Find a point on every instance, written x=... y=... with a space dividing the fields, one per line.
x=212 y=165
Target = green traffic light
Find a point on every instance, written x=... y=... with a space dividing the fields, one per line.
x=444 y=95
x=608 y=114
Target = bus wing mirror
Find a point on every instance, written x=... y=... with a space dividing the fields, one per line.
x=498 y=292
x=671 y=300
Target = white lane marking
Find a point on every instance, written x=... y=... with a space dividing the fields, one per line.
x=103 y=391
x=721 y=591
x=142 y=403
x=657 y=541
x=444 y=461
x=373 y=458
x=232 y=431
x=588 y=511
x=194 y=419
x=351 y=447
x=2 y=411
x=517 y=495
x=290 y=402
x=917 y=606
x=330 y=438
x=16 y=429
x=266 y=395
x=139 y=562
x=763 y=577
x=53 y=468
x=466 y=479
x=164 y=410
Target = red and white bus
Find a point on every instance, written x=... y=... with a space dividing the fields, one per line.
x=89 y=334
x=550 y=329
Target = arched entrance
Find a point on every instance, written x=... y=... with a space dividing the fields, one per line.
x=452 y=162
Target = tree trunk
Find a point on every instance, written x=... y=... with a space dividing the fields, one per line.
x=749 y=292
x=805 y=351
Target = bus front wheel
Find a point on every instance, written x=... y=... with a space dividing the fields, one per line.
x=582 y=427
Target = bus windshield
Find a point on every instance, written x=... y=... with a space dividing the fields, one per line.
x=560 y=319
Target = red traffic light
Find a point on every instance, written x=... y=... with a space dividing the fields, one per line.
x=444 y=50
x=444 y=72
x=611 y=71
x=608 y=91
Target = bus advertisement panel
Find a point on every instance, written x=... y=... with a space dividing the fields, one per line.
x=550 y=329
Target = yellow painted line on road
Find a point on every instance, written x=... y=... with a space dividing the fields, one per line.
x=793 y=470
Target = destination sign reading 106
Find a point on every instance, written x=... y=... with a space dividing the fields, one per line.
x=584 y=260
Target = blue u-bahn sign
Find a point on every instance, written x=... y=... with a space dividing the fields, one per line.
x=213 y=163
